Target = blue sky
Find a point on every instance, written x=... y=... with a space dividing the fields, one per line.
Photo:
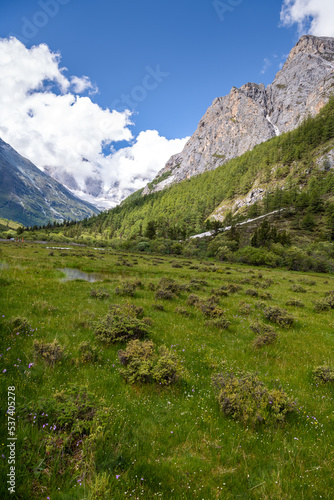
x=159 y=63
x=204 y=48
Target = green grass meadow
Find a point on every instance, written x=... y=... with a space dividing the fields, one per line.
x=148 y=440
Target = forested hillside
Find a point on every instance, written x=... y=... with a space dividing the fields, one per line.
x=288 y=160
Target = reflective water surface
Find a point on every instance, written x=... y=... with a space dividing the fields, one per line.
x=76 y=274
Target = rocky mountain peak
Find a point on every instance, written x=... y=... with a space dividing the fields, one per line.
x=252 y=114
x=313 y=46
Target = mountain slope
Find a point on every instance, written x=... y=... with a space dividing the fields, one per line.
x=291 y=162
x=30 y=196
x=253 y=114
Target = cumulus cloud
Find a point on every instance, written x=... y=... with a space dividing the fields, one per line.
x=82 y=84
x=44 y=119
x=141 y=158
x=311 y=16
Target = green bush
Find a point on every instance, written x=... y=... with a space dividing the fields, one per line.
x=325 y=304
x=182 y=310
x=67 y=410
x=19 y=325
x=87 y=352
x=167 y=289
x=265 y=339
x=193 y=300
x=50 y=353
x=128 y=288
x=244 y=308
x=261 y=328
x=221 y=323
x=247 y=399
x=266 y=334
x=142 y=364
x=323 y=374
x=233 y=288
x=120 y=324
x=99 y=293
x=209 y=307
x=298 y=289
x=197 y=284
x=294 y=303
x=279 y=316
x=265 y=296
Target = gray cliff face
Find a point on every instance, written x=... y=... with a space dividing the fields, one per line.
x=253 y=113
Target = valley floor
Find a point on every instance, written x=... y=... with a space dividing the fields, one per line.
x=84 y=430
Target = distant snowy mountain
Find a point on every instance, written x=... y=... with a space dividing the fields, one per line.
x=32 y=197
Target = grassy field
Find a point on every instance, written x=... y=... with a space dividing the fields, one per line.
x=83 y=432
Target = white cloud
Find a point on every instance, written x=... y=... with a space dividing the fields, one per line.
x=44 y=119
x=266 y=65
x=312 y=16
x=138 y=162
x=82 y=84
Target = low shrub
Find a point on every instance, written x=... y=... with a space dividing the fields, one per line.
x=209 y=307
x=193 y=300
x=261 y=328
x=233 y=288
x=244 y=308
x=266 y=334
x=182 y=310
x=247 y=399
x=88 y=352
x=99 y=293
x=176 y=265
x=49 y=352
x=163 y=294
x=120 y=324
x=128 y=288
x=220 y=292
x=158 y=306
x=167 y=289
x=251 y=292
x=70 y=410
x=308 y=282
x=197 y=284
x=19 y=325
x=142 y=364
x=324 y=304
x=265 y=296
x=265 y=339
x=221 y=323
x=279 y=316
x=323 y=374
x=298 y=289
x=294 y=303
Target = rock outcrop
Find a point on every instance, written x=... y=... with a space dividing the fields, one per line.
x=254 y=113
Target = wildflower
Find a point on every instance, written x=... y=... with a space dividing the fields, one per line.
x=31 y=364
x=4 y=371
x=117 y=476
